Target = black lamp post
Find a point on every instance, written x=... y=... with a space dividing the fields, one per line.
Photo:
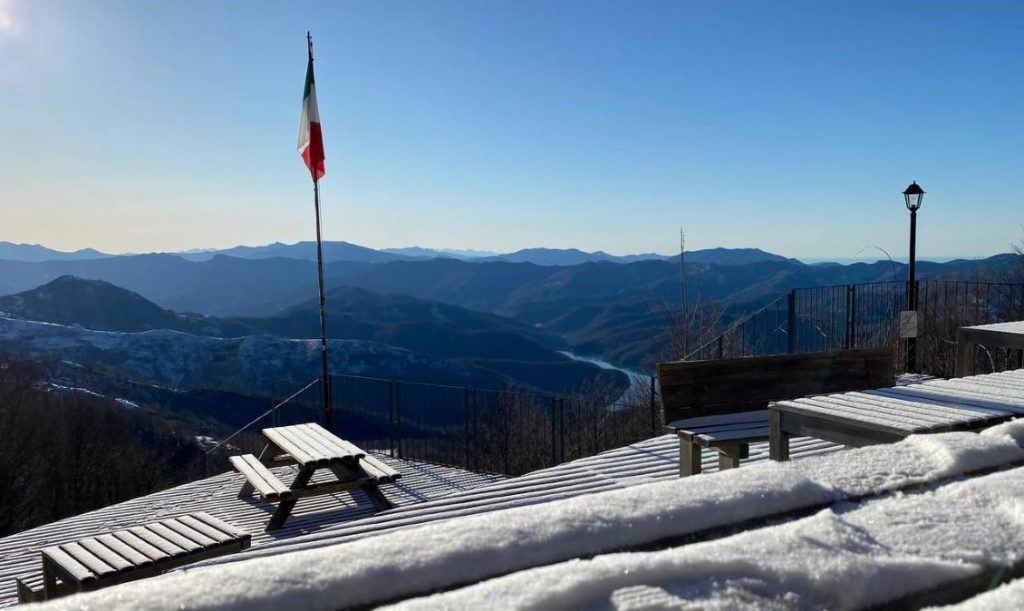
x=913 y=196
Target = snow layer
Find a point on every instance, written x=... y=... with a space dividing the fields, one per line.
x=918 y=459
x=1014 y=430
x=840 y=560
x=815 y=555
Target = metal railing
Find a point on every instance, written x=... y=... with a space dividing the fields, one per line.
x=866 y=315
x=486 y=430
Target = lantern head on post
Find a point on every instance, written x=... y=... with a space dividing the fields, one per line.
x=913 y=195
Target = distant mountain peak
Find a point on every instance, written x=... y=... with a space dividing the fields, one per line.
x=94 y=304
x=305 y=250
x=35 y=253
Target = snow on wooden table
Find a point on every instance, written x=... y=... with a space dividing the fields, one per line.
x=890 y=414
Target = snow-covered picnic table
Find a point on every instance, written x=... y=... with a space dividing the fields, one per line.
x=889 y=414
x=999 y=335
x=311 y=447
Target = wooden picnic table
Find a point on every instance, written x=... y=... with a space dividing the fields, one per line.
x=889 y=414
x=312 y=448
x=999 y=335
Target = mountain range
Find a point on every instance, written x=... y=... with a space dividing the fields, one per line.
x=344 y=251
x=610 y=309
x=36 y=252
x=482 y=348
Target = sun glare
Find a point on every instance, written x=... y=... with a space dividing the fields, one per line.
x=8 y=25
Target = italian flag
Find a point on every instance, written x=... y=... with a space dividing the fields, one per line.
x=311 y=139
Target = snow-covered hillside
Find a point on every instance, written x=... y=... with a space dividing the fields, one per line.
x=246 y=364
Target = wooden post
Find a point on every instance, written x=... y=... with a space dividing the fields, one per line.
x=729 y=456
x=689 y=457
x=964 y=354
x=778 y=441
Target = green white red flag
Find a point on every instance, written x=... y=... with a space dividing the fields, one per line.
x=311 y=138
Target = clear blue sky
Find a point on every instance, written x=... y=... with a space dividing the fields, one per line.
x=790 y=126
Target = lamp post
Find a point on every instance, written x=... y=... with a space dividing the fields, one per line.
x=912 y=196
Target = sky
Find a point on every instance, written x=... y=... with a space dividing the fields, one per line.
x=138 y=126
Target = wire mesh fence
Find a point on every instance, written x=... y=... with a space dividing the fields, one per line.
x=488 y=430
x=829 y=318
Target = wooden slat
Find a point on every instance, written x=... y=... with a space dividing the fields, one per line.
x=689 y=424
x=76 y=570
x=347 y=447
x=316 y=446
x=28 y=592
x=900 y=404
x=206 y=529
x=382 y=472
x=124 y=550
x=837 y=416
x=87 y=559
x=725 y=428
x=319 y=435
x=265 y=482
x=146 y=549
x=220 y=525
x=853 y=410
x=732 y=437
x=320 y=455
x=989 y=398
x=166 y=539
x=284 y=442
x=189 y=533
x=107 y=555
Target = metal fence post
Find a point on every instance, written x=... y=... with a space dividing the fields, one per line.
x=398 y=419
x=654 y=406
x=791 y=322
x=561 y=417
x=554 y=432
x=465 y=428
x=391 y=417
x=850 y=316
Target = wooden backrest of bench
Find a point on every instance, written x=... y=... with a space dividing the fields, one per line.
x=707 y=388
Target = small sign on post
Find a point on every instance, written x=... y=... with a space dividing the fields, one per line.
x=908 y=324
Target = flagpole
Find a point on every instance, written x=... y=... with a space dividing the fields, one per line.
x=326 y=380
x=328 y=416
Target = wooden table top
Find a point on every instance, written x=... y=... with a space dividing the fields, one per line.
x=312 y=444
x=931 y=406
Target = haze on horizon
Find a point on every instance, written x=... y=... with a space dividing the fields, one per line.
x=793 y=127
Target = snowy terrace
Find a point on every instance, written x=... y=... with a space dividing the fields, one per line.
x=930 y=520
x=426 y=493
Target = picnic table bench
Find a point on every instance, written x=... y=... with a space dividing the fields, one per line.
x=885 y=415
x=721 y=404
x=312 y=448
x=133 y=553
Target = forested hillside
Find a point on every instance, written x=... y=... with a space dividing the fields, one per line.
x=62 y=454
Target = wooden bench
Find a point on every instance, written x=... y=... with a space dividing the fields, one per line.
x=259 y=479
x=722 y=404
x=126 y=555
